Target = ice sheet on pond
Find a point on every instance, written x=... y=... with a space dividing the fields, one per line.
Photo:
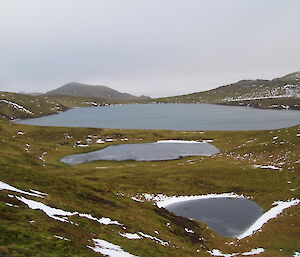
x=144 y=152
x=228 y=217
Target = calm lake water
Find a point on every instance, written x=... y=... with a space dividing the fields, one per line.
x=226 y=216
x=171 y=116
x=143 y=152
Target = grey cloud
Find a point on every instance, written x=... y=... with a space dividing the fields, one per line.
x=146 y=46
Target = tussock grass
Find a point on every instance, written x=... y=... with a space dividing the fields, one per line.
x=88 y=189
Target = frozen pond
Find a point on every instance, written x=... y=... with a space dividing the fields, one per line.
x=171 y=116
x=229 y=217
x=158 y=151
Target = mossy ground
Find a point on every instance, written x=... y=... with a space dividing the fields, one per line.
x=86 y=188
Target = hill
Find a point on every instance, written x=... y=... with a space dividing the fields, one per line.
x=281 y=92
x=21 y=106
x=83 y=90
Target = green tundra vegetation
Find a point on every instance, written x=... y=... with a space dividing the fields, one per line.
x=29 y=159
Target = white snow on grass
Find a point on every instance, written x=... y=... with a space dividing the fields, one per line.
x=15 y=105
x=207 y=140
x=162 y=202
x=296 y=254
x=270 y=214
x=53 y=213
x=62 y=238
x=216 y=252
x=81 y=145
x=178 y=142
x=62 y=215
x=141 y=235
x=131 y=236
x=189 y=231
x=254 y=252
x=109 y=249
x=154 y=238
x=137 y=199
x=37 y=192
x=4 y=186
x=103 y=221
x=267 y=167
x=11 y=205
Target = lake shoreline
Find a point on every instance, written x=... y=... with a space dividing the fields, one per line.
x=203 y=117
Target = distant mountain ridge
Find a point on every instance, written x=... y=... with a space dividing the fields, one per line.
x=83 y=90
x=276 y=92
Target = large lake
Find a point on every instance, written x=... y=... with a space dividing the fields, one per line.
x=171 y=116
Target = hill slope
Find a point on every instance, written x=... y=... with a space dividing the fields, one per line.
x=281 y=92
x=62 y=209
x=16 y=106
x=82 y=90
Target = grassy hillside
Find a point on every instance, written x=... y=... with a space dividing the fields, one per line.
x=15 y=106
x=280 y=93
x=29 y=159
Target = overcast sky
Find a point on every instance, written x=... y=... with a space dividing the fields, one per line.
x=151 y=47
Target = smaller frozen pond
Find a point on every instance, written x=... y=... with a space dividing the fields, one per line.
x=158 y=151
x=229 y=217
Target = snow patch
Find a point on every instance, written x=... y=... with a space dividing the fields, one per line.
x=4 y=186
x=189 y=231
x=61 y=215
x=270 y=214
x=53 y=213
x=254 y=251
x=11 y=205
x=267 y=167
x=109 y=249
x=37 y=192
x=142 y=235
x=162 y=202
x=103 y=221
x=178 y=142
x=216 y=252
x=15 y=105
x=296 y=254
x=62 y=238
x=130 y=236
x=154 y=238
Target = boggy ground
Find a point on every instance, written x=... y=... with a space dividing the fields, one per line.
x=29 y=159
